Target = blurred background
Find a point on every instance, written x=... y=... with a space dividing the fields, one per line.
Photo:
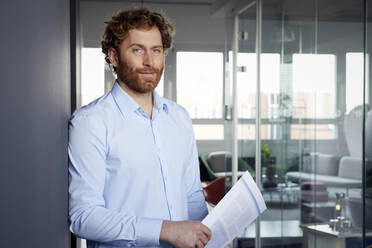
x=279 y=88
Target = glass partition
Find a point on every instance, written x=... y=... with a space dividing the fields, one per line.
x=314 y=131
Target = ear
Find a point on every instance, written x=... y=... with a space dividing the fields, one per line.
x=113 y=56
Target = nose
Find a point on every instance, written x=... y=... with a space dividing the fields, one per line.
x=148 y=59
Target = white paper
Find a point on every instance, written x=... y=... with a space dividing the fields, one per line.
x=240 y=207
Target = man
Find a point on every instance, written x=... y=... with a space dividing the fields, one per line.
x=134 y=174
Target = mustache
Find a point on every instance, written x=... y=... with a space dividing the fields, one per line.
x=147 y=70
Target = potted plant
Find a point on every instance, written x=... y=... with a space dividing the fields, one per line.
x=268 y=167
x=266 y=153
x=271 y=181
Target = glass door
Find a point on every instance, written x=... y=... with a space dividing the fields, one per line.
x=302 y=119
x=321 y=110
x=241 y=101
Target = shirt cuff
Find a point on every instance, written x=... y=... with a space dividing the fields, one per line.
x=148 y=231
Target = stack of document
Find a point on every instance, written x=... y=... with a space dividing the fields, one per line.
x=240 y=207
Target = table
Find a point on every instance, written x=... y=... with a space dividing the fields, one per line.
x=274 y=229
x=228 y=173
x=321 y=235
x=317 y=212
x=272 y=233
x=289 y=191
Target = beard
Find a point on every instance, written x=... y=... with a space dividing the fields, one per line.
x=132 y=78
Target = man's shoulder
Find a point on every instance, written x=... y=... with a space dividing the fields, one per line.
x=97 y=110
x=179 y=115
x=176 y=109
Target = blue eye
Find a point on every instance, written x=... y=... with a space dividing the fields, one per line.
x=157 y=50
x=137 y=50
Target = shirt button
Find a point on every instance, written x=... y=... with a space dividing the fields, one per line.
x=171 y=206
x=165 y=178
x=158 y=149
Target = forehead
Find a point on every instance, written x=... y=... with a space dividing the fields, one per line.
x=146 y=37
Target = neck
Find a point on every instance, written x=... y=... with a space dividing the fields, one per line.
x=143 y=99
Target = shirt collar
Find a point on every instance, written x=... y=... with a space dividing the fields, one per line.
x=127 y=105
x=159 y=102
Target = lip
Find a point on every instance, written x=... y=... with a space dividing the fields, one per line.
x=147 y=74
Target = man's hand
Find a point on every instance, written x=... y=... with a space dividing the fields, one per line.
x=185 y=234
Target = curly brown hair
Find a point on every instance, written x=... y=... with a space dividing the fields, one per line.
x=118 y=27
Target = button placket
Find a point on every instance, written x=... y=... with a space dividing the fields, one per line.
x=163 y=168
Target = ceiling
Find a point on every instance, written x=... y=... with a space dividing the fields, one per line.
x=187 y=2
x=327 y=10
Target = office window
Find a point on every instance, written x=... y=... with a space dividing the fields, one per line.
x=208 y=132
x=312 y=131
x=268 y=131
x=92 y=74
x=314 y=91
x=314 y=85
x=160 y=88
x=246 y=82
x=354 y=80
x=199 y=83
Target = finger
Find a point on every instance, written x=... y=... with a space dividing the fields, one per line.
x=199 y=244
x=204 y=239
x=207 y=231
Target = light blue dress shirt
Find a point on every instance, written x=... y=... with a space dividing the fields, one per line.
x=128 y=173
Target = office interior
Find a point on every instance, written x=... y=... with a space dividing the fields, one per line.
x=280 y=88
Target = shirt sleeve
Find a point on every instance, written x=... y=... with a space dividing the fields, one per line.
x=88 y=215
x=197 y=208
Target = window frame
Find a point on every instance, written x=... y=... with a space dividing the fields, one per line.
x=170 y=76
x=173 y=62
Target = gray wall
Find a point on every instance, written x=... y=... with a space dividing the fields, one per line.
x=34 y=107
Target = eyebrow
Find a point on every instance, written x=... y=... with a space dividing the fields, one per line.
x=142 y=46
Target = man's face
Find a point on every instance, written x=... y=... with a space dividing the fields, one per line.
x=141 y=60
